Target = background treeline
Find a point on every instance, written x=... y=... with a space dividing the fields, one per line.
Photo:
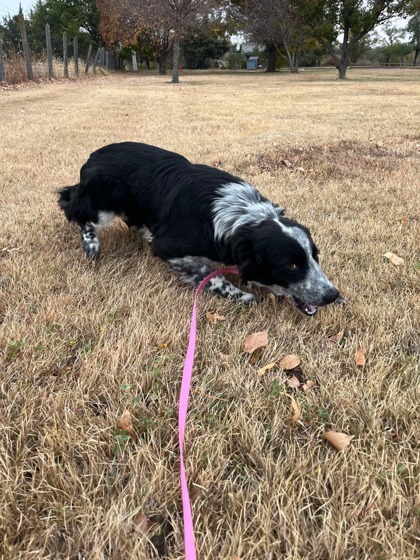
x=199 y=34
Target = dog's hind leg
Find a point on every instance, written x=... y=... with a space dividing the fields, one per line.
x=192 y=271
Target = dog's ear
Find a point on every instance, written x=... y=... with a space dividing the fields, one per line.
x=244 y=254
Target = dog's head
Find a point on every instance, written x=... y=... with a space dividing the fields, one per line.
x=281 y=255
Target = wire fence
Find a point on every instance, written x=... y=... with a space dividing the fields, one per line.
x=22 y=65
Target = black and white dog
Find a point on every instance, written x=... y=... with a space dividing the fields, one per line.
x=195 y=215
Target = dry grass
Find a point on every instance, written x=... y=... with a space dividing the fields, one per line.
x=80 y=343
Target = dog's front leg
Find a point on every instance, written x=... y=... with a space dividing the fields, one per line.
x=192 y=271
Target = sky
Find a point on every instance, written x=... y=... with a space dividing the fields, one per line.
x=12 y=6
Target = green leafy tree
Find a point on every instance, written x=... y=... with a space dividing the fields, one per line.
x=346 y=23
x=79 y=18
x=199 y=47
x=413 y=28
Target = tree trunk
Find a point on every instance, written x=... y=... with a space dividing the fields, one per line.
x=147 y=63
x=342 y=69
x=175 y=64
x=271 y=58
x=162 y=63
x=342 y=64
x=416 y=53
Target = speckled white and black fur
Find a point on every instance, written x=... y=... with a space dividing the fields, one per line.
x=197 y=216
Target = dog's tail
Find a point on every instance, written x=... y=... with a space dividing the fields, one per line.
x=66 y=197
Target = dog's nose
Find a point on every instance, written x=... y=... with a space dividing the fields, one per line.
x=331 y=295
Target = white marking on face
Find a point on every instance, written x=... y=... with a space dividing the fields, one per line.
x=240 y=204
x=315 y=284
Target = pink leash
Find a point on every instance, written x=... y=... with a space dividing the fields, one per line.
x=189 y=539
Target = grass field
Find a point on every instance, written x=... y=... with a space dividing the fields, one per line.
x=82 y=343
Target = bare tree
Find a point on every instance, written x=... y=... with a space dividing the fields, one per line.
x=275 y=24
x=161 y=23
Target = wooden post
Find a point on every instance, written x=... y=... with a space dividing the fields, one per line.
x=95 y=60
x=65 y=56
x=107 y=61
x=102 y=57
x=88 y=59
x=76 y=57
x=2 y=74
x=49 y=50
x=26 y=51
x=134 y=60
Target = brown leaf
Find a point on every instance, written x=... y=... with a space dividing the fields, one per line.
x=141 y=524
x=300 y=169
x=308 y=385
x=339 y=440
x=335 y=338
x=224 y=357
x=272 y=297
x=395 y=259
x=296 y=410
x=287 y=163
x=360 y=357
x=234 y=558
x=214 y=318
x=293 y=382
x=290 y=361
x=255 y=341
x=125 y=423
x=405 y=221
x=262 y=370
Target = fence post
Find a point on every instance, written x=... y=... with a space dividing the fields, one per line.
x=49 y=50
x=134 y=60
x=107 y=61
x=96 y=59
x=2 y=76
x=65 y=56
x=76 y=57
x=25 y=45
x=88 y=59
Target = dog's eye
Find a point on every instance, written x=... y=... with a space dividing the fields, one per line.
x=291 y=266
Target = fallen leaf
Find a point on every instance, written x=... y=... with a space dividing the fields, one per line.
x=335 y=338
x=395 y=259
x=360 y=357
x=293 y=382
x=286 y=162
x=255 y=341
x=296 y=410
x=214 y=318
x=125 y=423
x=308 y=385
x=141 y=524
x=300 y=169
x=234 y=558
x=405 y=221
x=339 y=440
x=224 y=357
x=255 y=357
x=290 y=361
x=262 y=370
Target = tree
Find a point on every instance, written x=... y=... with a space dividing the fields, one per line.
x=413 y=28
x=275 y=23
x=346 y=21
x=199 y=47
x=162 y=23
x=392 y=49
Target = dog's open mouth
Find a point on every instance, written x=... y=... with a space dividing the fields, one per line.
x=305 y=308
